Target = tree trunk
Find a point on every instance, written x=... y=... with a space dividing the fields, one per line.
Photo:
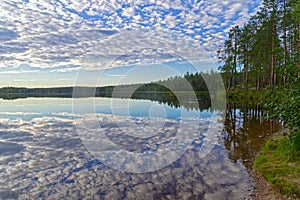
x=235 y=58
x=284 y=43
x=273 y=64
x=259 y=72
x=246 y=67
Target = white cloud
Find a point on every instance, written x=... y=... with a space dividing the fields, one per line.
x=19 y=71
x=128 y=12
x=118 y=75
x=63 y=70
x=44 y=32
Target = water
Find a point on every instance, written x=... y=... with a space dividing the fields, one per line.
x=45 y=152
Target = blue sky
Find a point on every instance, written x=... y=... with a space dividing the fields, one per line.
x=46 y=43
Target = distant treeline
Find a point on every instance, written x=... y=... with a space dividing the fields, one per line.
x=16 y=92
x=191 y=82
x=174 y=91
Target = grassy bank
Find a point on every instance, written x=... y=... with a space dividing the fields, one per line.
x=279 y=163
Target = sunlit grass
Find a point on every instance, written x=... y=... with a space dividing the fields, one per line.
x=280 y=165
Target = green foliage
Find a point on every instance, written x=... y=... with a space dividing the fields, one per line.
x=265 y=51
x=249 y=97
x=294 y=142
x=166 y=91
x=264 y=55
x=278 y=167
x=284 y=104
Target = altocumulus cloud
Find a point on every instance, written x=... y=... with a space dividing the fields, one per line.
x=48 y=33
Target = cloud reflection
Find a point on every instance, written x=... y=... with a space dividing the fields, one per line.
x=51 y=162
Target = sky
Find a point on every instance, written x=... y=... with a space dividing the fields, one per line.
x=49 y=43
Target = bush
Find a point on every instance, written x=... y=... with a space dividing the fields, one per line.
x=284 y=104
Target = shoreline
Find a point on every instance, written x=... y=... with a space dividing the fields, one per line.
x=262 y=188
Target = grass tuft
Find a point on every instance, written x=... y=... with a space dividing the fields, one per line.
x=278 y=163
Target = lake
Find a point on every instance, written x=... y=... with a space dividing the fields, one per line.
x=101 y=148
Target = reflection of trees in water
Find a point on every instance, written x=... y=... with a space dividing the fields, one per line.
x=187 y=100
x=154 y=92
x=246 y=130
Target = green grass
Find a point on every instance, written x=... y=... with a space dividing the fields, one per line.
x=280 y=165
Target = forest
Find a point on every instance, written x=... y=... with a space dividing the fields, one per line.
x=165 y=91
x=262 y=59
x=176 y=83
x=265 y=51
x=264 y=55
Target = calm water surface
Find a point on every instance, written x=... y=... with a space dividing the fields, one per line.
x=42 y=156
